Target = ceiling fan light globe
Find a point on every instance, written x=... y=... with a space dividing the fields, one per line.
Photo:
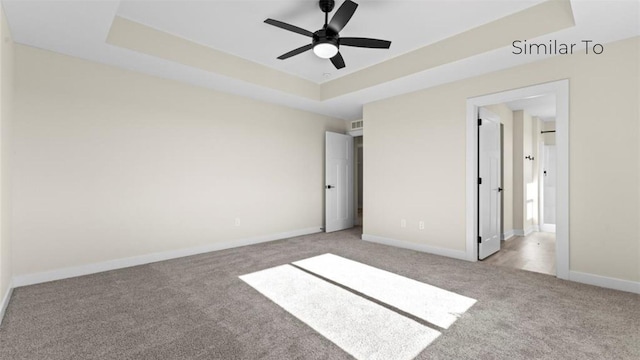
x=325 y=50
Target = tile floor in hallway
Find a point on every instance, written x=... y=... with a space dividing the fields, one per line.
x=535 y=252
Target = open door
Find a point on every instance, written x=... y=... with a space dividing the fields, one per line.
x=548 y=222
x=489 y=185
x=339 y=213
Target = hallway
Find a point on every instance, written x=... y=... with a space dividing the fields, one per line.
x=535 y=252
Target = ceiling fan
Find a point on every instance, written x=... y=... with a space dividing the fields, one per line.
x=327 y=41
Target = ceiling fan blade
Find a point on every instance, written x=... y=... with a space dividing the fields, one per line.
x=289 y=27
x=365 y=43
x=343 y=15
x=338 y=61
x=295 y=52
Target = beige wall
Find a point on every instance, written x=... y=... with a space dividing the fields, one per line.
x=536 y=125
x=519 y=214
x=415 y=158
x=506 y=118
x=549 y=138
x=526 y=199
x=112 y=164
x=6 y=101
x=525 y=202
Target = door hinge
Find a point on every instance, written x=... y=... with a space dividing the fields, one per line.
x=479 y=181
x=479 y=239
x=479 y=122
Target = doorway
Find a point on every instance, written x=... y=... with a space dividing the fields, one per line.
x=339 y=174
x=527 y=242
x=560 y=91
x=343 y=181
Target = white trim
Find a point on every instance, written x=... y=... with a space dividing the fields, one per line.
x=5 y=302
x=355 y=133
x=551 y=228
x=508 y=235
x=562 y=185
x=472 y=187
x=456 y=254
x=541 y=179
x=561 y=90
x=530 y=230
x=58 y=274
x=606 y=282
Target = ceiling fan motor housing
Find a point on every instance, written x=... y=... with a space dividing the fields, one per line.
x=325 y=36
x=327 y=5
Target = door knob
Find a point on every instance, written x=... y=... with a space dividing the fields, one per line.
x=330 y=186
x=499 y=189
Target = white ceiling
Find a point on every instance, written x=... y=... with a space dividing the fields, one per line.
x=237 y=27
x=79 y=28
x=543 y=106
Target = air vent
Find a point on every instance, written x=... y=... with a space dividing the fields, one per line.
x=356 y=125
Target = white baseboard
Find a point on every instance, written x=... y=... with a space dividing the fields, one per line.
x=551 y=228
x=456 y=254
x=508 y=235
x=5 y=302
x=528 y=231
x=606 y=282
x=65 y=273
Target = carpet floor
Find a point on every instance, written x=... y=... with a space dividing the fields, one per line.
x=197 y=308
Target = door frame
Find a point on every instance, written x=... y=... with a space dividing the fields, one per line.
x=356 y=178
x=561 y=90
x=354 y=134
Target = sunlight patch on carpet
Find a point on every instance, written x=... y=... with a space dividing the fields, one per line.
x=360 y=327
x=432 y=304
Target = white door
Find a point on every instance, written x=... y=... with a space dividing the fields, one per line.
x=549 y=188
x=489 y=187
x=339 y=212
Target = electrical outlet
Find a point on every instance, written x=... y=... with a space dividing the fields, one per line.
x=403 y=223
x=237 y=222
x=421 y=225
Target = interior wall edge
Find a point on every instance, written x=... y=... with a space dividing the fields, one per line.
x=71 y=272
x=606 y=282
x=6 y=122
x=525 y=232
x=455 y=254
x=5 y=302
x=509 y=234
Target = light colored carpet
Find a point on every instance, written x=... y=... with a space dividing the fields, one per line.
x=198 y=308
x=432 y=304
x=360 y=327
